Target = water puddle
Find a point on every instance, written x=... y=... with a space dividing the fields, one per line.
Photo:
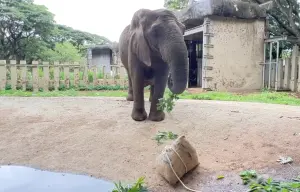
x=25 y=179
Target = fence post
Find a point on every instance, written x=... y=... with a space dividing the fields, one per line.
x=85 y=75
x=117 y=76
x=46 y=75
x=115 y=72
x=13 y=74
x=35 y=76
x=295 y=54
x=279 y=79
x=122 y=72
x=2 y=74
x=94 y=70
x=122 y=75
x=56 y=75
x=104 y=76
x=67 y=75
x=23 y=75
x=287 y=73
x=298 y=84
x=270 y=64
x=273 y=74
x=76 y=74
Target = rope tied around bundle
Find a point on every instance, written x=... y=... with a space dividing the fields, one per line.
x=170 y=164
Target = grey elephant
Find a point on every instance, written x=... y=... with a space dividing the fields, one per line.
x=153 y=52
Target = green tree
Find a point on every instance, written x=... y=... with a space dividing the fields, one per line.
x=22 y=22
x=79 y=39
x=63 y=52
x=283 y=16
x=175 y=4
x=29 y=32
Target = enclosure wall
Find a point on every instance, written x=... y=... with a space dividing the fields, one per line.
x=238 y=49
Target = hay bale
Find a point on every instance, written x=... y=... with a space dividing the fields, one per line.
x=183 y=158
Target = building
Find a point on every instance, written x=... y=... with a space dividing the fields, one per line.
x=103 y=56
x=225 y=41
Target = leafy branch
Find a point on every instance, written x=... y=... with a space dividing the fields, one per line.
x=167 y=103
x=165 y=135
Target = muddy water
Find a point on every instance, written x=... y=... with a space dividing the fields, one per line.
x=25 y=179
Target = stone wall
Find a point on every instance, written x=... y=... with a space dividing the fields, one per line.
x=238 y=49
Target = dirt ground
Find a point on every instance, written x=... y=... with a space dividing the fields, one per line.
x=97 y=137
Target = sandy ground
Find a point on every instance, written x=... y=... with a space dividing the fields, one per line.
x=96 y=136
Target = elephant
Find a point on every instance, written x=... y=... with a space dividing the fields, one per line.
x=153 y=52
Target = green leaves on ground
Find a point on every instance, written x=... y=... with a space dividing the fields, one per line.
x=167 y=103
x=165 y=135
x=247 y=176
x=137 y=187
x=259 y=184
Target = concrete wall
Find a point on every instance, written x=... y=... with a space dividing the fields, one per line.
x=238 y=49
x=102 y=58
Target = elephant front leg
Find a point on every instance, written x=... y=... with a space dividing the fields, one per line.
x=137 y=78
x=158 y=92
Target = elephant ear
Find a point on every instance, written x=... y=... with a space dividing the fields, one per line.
x=139 y=44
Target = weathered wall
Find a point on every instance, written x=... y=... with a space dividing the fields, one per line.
x=238 y=49
x=102 y=58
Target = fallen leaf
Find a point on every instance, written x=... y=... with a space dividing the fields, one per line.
x=285 y=160
x=220 y=177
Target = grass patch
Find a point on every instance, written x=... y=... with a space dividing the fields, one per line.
x=115 y=91
x=66 y=93
x=19 y=93
x=262 y=97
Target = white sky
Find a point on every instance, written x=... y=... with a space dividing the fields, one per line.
x=102 y=17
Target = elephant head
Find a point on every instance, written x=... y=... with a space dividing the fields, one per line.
x=159 y=35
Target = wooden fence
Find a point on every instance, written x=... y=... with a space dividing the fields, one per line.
x=283 y=74
x=51 y=76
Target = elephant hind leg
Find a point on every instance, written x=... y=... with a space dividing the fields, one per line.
x=151 y=92
x=130 y=91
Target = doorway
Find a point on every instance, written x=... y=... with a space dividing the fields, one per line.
x=195 y=62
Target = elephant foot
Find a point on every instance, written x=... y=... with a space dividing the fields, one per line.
x=129 y=97
x=139 y=114
x=156 y=116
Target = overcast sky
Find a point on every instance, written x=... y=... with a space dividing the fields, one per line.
x=102 y=17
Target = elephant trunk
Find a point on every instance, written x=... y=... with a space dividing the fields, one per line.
x=178 y=62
